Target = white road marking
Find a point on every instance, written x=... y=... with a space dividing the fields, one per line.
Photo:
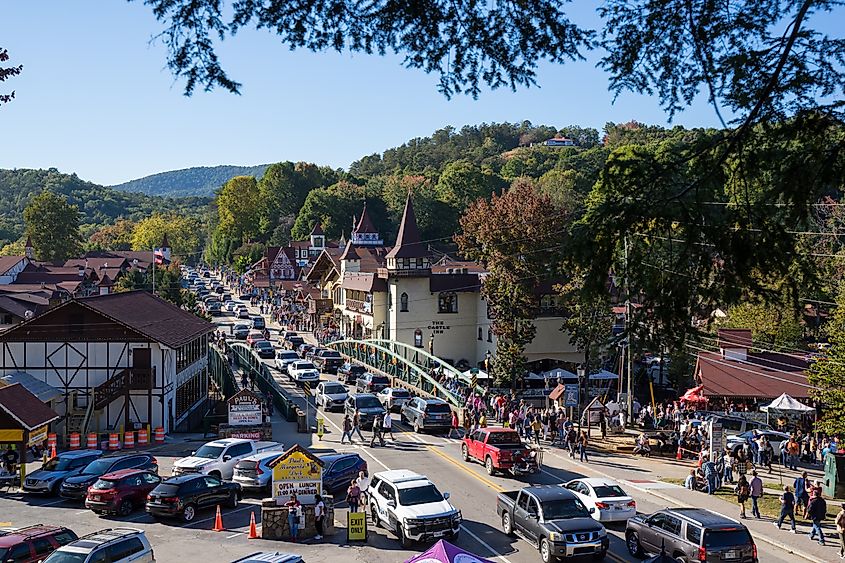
x=195 y=522
x=234 y=535
x=485 y=544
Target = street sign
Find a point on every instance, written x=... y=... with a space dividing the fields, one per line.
x=570 y=395
x=321 y=427
x=298 y=472
x=356 y=526
x=717 y=441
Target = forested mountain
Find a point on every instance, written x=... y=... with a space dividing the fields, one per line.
x=98 y=204
x=197 y=181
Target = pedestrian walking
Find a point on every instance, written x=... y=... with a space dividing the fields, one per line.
x=787 y=508
x=387 y=425
x=377 y=432
x=363 y=482
x=294 y=511
x=816 y=511
x=536 y=427
x=840 y=529
x=454 y=427
x=356 y=425
x=319 y=515
x=802 y=494
x=756 y=485
x=582 y=447
x=347 y=429
x=353 y=496
x=743 y=491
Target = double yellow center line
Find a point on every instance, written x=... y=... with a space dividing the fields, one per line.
x=496 y=487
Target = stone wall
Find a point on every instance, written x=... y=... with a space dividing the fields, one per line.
x=274 y=521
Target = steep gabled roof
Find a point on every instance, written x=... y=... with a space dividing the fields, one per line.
x=318 y=229
x=164 y=242
x=365 y=224
x=349 y=252
x=408 y=241
x=25 y=407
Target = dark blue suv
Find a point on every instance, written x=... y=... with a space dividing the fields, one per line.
x=339 y=471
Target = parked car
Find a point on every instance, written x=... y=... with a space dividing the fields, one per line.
x=371 y=383
x=303 y=373
x=304 y=348
x=284 y=358
x=293 y=343
x=264 y=349
x=241 y=331
x=368 y=406
x=120 y=492
x=33 y=543
x=690 y=534
x=393 y=398
x=426 y=414
x=327 y=361
x=499 y=449
x=258 y=322
x=611 y=502
x=115 y=545
x=411 y=506
x=253 y=337
x=76 y=487
x=252 y=472
x=52 y=474
x=330 y=395
x=735 y=425
x=554 y=521
x=181 y=497
x=339 y=470
x=219 y=457
x=349 y=372
x=735 y=443
x=243 y=312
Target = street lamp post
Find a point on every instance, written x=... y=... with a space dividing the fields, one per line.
x=581 y=375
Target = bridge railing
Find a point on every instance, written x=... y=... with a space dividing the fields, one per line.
x=255 y=369
x=410 y=365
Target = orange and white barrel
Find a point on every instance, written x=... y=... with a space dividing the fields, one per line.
x=129 y=439
x=159 y=435
x=114 y=441
x=92 y=441
x=51 y=440
x=143 y=438
x=73 y=442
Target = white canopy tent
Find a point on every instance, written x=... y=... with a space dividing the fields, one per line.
x=786 y=404
x=559 y=373
x=481 y=374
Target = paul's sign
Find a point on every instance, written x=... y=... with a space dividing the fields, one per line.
x=299 y=472
x=245 y=409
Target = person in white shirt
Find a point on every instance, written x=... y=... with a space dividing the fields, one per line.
x=387 y=425
x=319 y=515
x=363 y=482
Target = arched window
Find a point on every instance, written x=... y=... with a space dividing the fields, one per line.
x=417 y=337
x=447 y=302
x=403 y=302
x=489 y=335
x=480 y=337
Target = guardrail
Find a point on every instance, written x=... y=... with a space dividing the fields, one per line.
x=406 y=363
x=258 y=370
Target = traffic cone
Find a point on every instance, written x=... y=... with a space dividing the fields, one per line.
x=53 y=452
x=679 y=455
x=253 y=532
x=218 y=521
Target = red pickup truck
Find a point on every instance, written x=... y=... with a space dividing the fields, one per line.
x=500 y=449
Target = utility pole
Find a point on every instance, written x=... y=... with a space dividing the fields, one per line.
x=629 y=329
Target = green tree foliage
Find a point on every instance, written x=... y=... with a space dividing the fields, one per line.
x=283 y=190
x=772 y=324
x=53 y=225
x=517 y=236
x=112 y=237
x=337 y=208
x=587 y=316
x=827 y=375
x=436 y=219
x=168 y=283
x=239 y=208
x=463 y=182
x=7 y=73
x=183 y=233
x=198 y=181
x=247 y=255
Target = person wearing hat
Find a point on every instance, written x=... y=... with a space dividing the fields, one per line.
x=840 y=529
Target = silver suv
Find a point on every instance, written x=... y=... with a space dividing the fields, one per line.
x=691 y=534
x=116 y=545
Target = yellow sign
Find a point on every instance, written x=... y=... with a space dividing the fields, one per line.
x=11 y=435
x=321 y=427
x=297 y=467
x=356 y=526
x=38 y=435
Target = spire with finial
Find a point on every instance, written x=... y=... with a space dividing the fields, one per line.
x=408 y=242
x=28 y=250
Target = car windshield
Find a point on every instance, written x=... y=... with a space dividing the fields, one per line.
x=438 y=408
x=334 y=389
x=331 y=354
x=564 y=508
x=400 y=394
x=288 y=355
x=66 y=557
x=367 y=401
x=726 y=538
x=604 y=491
x=263 y=344
x=167 y=489
x=103 y=485
x=502 y=438
x=419 y=495
x=209 y=452
x=305 y=365
x=98 y=467
x=381 y=379
x=57 y=464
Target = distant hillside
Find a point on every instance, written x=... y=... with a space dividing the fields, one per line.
x=197 y=181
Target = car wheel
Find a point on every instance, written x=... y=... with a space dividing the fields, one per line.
x=507 y=526
x=124 y=508
x=488 y=464
x=681 y=559
x=233 y=500
x=403 y=539
x=546 y=551
x=632 y=542
x=374 y=515
x=465 y=452
x=188 y=513
x=417 y=426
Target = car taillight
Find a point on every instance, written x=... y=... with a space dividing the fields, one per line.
x=702 y=554
x=259 y=471
x=174 y=500
x=754 y=551
x=154 y=461
x=632 y=504
x=602 y=505
x=149 y=497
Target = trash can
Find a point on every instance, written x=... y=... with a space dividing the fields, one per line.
x=301 y=421
x=834 y=476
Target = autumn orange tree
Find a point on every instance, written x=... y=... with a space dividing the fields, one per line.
x=518 y=236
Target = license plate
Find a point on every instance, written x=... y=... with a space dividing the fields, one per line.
x=733 y=554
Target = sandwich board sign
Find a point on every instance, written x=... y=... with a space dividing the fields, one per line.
x=297 y=472
x=245 y=409
x=356 y=526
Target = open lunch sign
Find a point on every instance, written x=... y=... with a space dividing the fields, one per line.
x=297 y=471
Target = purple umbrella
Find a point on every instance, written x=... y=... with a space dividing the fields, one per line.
x=445 y=552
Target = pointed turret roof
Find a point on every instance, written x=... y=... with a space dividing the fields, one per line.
x=318 y=229
x=349 y=253
x=365 y=224
x=28 y=242
x=408 y=241
x=164 y=242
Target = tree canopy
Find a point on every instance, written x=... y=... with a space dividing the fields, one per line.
x=7 y=73
x=53 y=225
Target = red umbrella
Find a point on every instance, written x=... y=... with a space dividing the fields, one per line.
x=694 y=395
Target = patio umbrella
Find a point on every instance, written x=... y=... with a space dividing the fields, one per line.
x=445 y=552
x=694 y=395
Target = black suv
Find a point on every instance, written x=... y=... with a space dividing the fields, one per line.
x=367 y=405
x=327 y=361
x=691 y=534
x=426 y=414
x=181 y=497
x=371 y=383
x=76 y=487
x=349 y=372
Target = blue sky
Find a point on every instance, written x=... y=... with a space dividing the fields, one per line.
x=96 y=98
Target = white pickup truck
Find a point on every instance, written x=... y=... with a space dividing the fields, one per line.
x=218 y=458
